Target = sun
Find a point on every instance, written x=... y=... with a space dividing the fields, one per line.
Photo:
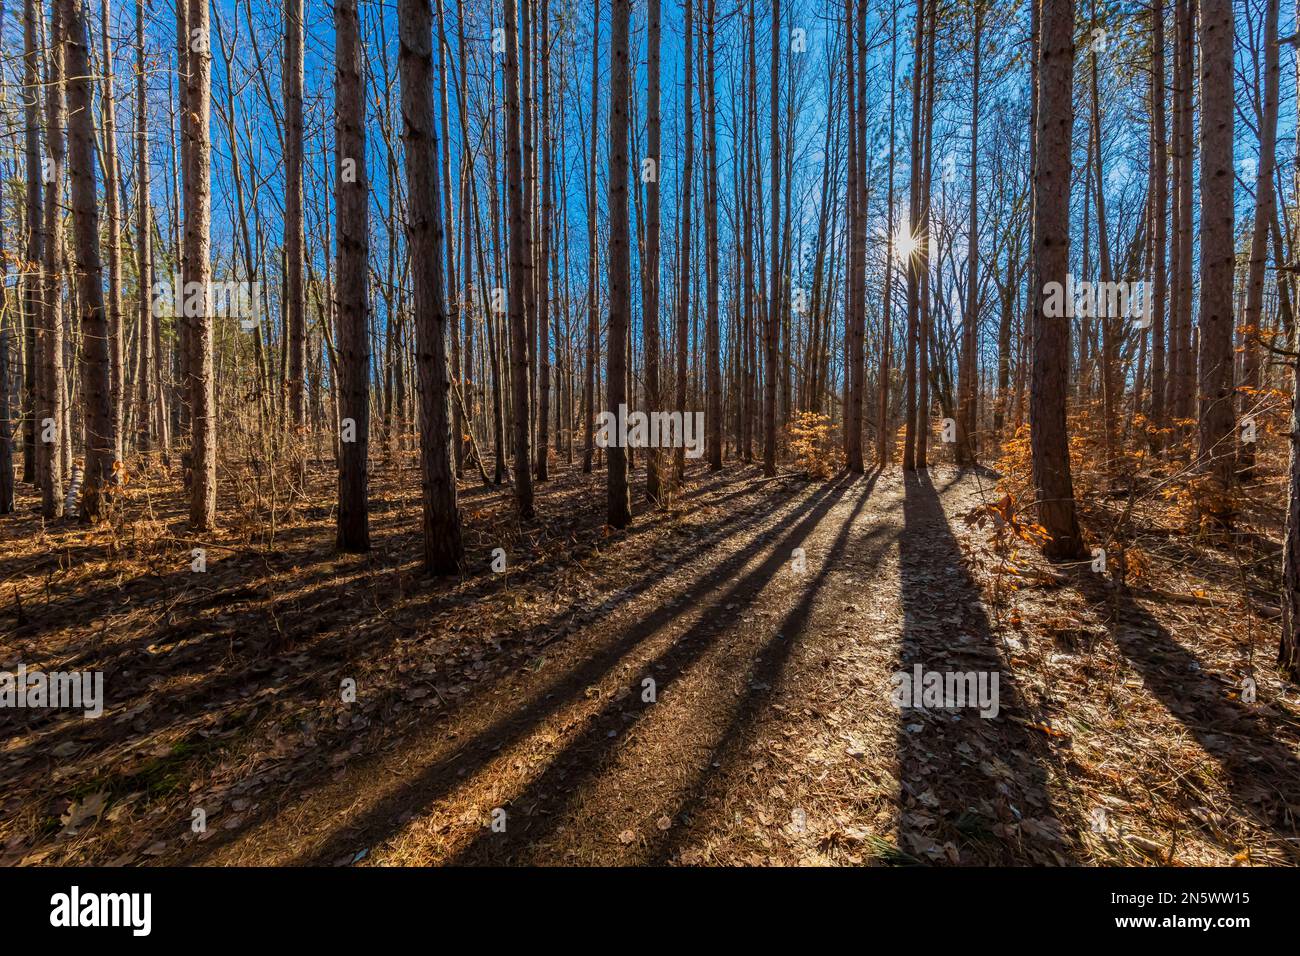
x=905 y=244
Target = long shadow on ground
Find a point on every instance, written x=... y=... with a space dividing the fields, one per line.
x=377 y=823
x=766 y=683
x=1263 y=775
x=972 y=789
x=584 y=757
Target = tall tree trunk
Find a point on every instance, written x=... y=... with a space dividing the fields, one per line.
x=352 y=202
x=520 y=268
x=451 y=329
x=424 y=230
x=1175 y=356
x=1104 y=318
x=113 y=213
x=198 y=263
x=528 y=167
x=712 y=338
x=915 y=249
x=967 y=370
x=883 y=434
x=544 y=293
x=589 y=382
x=1160 y=199
x=925 y=331
x=1264 y=204
x=295 y=305
x=96 y=368
x=34 y=255
x=651 y=271
x=773 y=292
x=854 y=313
x=50 y=409
x=620 y=279
x=10 y=318
x=1051 y=262
x=1215 y=355
x=181 y=164
x=494 y=307
x=144 y=246
x=684 y=231
x=749 y=162
x=1184 y=385
x=465 y=313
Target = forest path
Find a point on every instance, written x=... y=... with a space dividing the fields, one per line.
x=771 y=737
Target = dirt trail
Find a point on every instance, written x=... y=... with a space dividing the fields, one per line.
x=767 y=736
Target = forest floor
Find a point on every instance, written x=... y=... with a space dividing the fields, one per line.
x=768 y=736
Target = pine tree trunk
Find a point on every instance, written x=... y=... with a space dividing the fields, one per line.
x=1175 y=357
x=113 y=213
x=1215 y=449
x=424 y=230
x=855 y=317
x=181 y=162
x=144 y=246
x=966 y=369
x=528 y=184
x=914 y=234
x=544 y=293
x=520 y=268
x=1264 y=204
x=295 y=305
x=10 y=318
x=1051 y=230
x=493 y=306
x=883 y=433
x=712 y=338
x=96 y=362
x=448 y=252
x=1105 y=320
x=1160 y=280
x=773 y=292
x=352 y=202
x=465 y=314
x=749 y=168
x=1186 y=381
x=589 y=382
x=684 y=237
x=620 y=278
x=50 y=409
x=33 y=283
x=198 y=264
x=651 y=272
x=925 y=330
